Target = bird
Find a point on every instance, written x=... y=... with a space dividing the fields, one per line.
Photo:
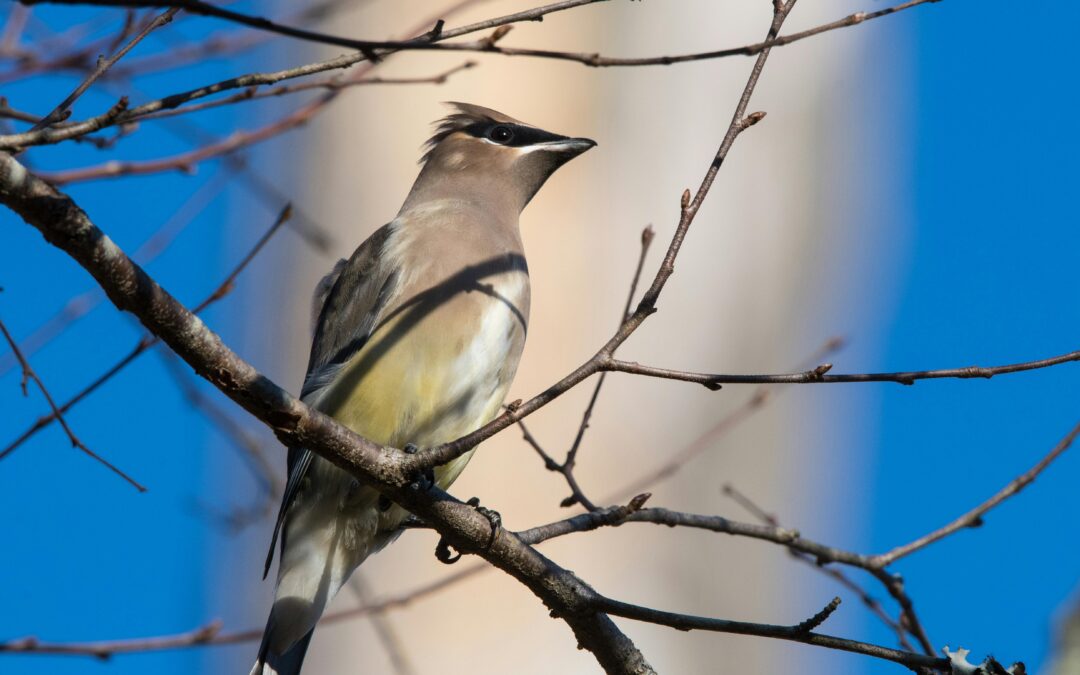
x=417 y=337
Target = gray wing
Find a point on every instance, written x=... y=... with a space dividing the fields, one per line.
x=347 y=306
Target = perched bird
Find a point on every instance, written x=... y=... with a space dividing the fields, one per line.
x=417 y=338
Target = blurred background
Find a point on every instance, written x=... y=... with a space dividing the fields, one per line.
x=910 y=195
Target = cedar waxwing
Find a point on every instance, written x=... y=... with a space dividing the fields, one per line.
x=417 y=338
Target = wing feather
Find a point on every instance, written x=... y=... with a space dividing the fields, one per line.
x=348 y=303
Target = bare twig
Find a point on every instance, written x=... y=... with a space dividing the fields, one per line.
x=388 y=637
x=793 y=633
x=330 y=83
x=426 y=42
x=185 y=161
x=298 y=425
x=13 y=28
x=251 y=449
x=567 y=468
x=225 y=43
x=837 y=575
x=689 y=208
x=105 y=650
x=211 y=635
x=819 y=375
x=80 y=305
x=973 y=518
x=366 y=47
x=761 y=396
x=29 y=374
x=175 y=104
x=147 y=341
x=431 y=41
x=62 y=110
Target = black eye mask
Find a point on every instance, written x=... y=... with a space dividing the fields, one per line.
x=511 y=135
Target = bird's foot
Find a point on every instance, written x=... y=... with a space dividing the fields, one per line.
x=442 y=550
x=493 y=516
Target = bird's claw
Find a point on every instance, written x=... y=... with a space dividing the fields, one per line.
x=493 y=516
x=442 y=549
x=443 y=554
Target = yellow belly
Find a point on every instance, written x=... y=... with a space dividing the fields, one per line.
x=429 y=381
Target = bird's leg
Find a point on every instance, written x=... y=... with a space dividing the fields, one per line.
x=422 y=482
x=442 y=550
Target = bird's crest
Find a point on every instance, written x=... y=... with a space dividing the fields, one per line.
x=466 y=115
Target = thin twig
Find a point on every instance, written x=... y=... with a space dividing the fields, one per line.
x=256 y=183
x=330 y=83
x=29 y=374
x=148 y=341
x=576 y=494
x=13 y=28
x=156 y=244
x=175 y=104
x=837 y=575
x=62 y=110
x=974 y=517
x=186 y=161
x=689 y=208
x=792 y=633
x=105 y=650
x=761 y=396
x=251 y=449
x=345 y=61
x=366 y=47
x=820 y=374
x=431 y=41
x=391 y=642
x=211 y=634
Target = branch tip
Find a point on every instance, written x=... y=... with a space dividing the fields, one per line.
x=819 y=618
x=752 y=119
x=647 y=235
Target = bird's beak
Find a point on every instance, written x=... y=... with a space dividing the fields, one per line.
x=568 y=146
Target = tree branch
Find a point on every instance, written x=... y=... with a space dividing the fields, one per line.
x=29 y=374
x=66 y=226
x=973 y=518
x=61 y=111
x=431 y=40
x=819 y=375
x=427 y=41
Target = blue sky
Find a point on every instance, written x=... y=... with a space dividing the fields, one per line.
x=87 y=557
x=988 y=276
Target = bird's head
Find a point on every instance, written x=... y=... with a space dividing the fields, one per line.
x=479 y=150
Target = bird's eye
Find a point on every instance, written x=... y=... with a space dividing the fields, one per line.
x=501 y=134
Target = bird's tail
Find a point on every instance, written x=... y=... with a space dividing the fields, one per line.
x=270 y=662
x=312 y=567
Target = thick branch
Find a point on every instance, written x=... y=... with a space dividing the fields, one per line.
x=66 y=226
